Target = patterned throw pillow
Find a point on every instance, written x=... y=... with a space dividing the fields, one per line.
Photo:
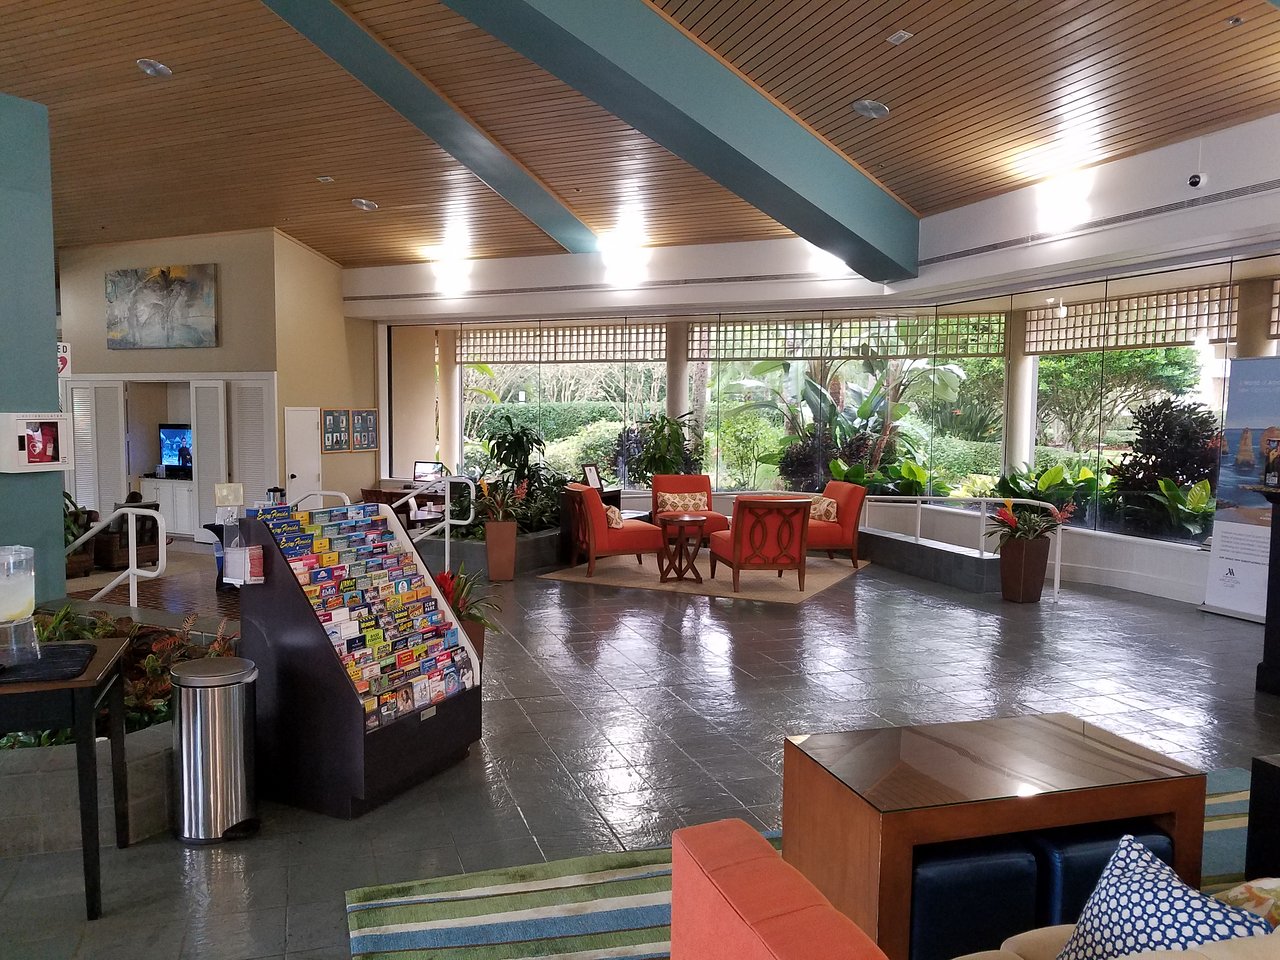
x=824 y=508
x=1257 y=896
x=681 y=502
x=613 y=517
x=1140 y=904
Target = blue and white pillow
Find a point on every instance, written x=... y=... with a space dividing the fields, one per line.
x=1140 y=904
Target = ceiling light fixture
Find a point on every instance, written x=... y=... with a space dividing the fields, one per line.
x=368 y=206
x=324 y=179
x=1234 y=21
x=901 y=37
x=871 y=109
x=154 y=68
x=624 y=249
x=450 y=260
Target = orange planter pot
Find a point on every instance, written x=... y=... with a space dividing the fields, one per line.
x=1022 y=568
x=500 y=549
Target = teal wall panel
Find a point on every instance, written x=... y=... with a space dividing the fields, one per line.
x=30 y=504
x=637 y=65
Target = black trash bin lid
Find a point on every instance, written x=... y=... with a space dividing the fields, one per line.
x=213 y=672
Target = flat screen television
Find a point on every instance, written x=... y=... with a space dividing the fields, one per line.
x=175 y=444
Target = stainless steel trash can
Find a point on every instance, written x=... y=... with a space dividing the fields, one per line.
x=213 y=717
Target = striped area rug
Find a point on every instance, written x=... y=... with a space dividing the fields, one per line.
x=617 y=906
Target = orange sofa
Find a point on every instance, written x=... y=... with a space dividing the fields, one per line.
x=687 y=483
x=734 y=898
x=594 y=538
x=843 y=533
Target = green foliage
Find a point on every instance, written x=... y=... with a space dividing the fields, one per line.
x=1189 y=508
x=554 y=421
x=656 y=446
x=595 y=443
x=1052 y=456
x=956 y=457
x=75 y=521
x=905 y=479
x=1057 y=485
x=1085 y=395
x=1175 y=439
x=744 y=441
x=512 y=447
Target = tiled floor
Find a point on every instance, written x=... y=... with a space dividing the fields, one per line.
x=188 y=586
x=614 y=716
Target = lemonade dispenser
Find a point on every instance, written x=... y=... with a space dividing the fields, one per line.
x=18 y=643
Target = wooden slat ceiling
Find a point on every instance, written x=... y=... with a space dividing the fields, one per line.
x=254 y=113
x=985 y=89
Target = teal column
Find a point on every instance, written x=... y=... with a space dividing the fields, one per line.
x=30 y=503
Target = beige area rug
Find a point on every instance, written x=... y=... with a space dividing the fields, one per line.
x=820 y=573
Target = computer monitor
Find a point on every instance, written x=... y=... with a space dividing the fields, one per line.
x=425 y=471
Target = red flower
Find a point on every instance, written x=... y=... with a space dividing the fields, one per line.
x=444 y=580
x=1005 y=516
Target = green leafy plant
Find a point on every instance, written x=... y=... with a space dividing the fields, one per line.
x=1027 y=523
x=500 y=498
x=658 y=445
x=513 y=448
x=460 y=592
x=1190 y=507
x=1175 y=439
x=75 y=520
x=743 y=441
x=1056 y=485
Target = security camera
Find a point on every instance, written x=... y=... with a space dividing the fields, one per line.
x=1195 y=180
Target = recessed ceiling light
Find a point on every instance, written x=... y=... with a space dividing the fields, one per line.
x=1234 y=21
x=368 y=206
x=154 y=68
x=324 y=179
x=901 y=37
x=873 y=109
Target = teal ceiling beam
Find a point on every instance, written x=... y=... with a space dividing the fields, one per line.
x=362 y=55
x=641 y=67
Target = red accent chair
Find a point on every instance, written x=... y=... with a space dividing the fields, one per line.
x=593 y=537
x=734 y=898
x=843 y=533
x=688 y=483
x=768 y=533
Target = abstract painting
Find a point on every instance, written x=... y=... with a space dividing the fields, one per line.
x=163 y=307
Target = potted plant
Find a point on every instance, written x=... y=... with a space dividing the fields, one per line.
x=1024 y=547
x=658 y=445
x=497 y=507
x=471 y=609
x=75 y=521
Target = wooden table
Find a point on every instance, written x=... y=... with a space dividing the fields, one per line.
x=57 y=704
x=855 y=805
x=681 y=540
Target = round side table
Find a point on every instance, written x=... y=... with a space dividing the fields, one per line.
x=681 y=540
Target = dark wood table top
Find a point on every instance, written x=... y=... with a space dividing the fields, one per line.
x=681 y=519
x=938 y=764
x=108 y=653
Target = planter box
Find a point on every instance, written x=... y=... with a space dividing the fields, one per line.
x=534 y=551
x=40 y=797
x=934 y=560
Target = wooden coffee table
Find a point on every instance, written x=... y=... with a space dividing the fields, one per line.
x=681 y=540
x=855 y=805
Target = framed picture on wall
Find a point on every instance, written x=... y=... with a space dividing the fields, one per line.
x=591 y=473
x=335 y=431
x=364 y=429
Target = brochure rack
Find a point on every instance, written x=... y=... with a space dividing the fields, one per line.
x=316 y=747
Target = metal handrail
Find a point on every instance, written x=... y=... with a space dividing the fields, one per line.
x=982 y=522
x=133 y=571
x=448 y=520
x=346 y=501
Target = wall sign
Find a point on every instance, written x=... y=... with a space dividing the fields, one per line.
x=364 y=429
x=64 y=358
x=1241 y=547
x=335 y=431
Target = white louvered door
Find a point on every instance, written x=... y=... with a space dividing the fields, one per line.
x=252 y=411
x=209 y=447
x=99 y=480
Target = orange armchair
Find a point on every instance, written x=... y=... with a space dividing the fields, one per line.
x=688 y=483
x=593 y=537
x=768 y=533
x=842 y=534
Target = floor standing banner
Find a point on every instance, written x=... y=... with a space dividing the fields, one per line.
x=1242 y=524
